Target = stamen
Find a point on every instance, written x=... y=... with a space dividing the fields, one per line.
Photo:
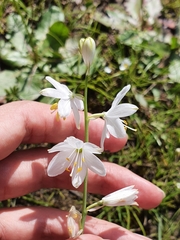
x=54 y=106
x=79 y=169
x=67 y=159
x=126 y=126
x=57 y=116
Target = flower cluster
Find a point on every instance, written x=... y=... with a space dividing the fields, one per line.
x=77 y=156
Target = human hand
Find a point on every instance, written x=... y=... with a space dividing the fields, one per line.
x=22 y=172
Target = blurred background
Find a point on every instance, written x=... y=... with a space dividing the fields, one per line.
x=138 y=43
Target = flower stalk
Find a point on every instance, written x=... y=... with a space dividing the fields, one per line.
x=86 y=119
x=77 y=156
x=87 y=49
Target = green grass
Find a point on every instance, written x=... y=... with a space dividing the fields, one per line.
x=32 y=42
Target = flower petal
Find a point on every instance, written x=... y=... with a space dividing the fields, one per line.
x=103 y=135
x=63 y=146
x=74 y=142
x=76 y=114
x=63 y=89
x=122 y=110
x=94 y=164
x=51 y=92
x=92 y=148
x=120 y=95
x=79 y=103
x=58 y=164
x=79 y=176
x=116 y=127
x=64 y=108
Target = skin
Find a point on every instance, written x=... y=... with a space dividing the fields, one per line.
x=24 y=171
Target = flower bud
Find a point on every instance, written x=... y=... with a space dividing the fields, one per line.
x=73 y=223
x=122 y=197
x=87 y=48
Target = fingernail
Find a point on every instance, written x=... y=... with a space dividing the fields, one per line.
x=162 y=192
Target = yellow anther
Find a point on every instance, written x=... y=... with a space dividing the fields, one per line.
x=83 y=159
x=54 y=106
x=57 y=116
x=67 y=159
x=125 y=123
x=79 y=169
x=67 y=169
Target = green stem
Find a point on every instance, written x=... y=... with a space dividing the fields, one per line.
x=96 y=204
x=86 y=123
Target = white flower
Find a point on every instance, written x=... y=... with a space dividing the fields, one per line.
x=74 y=222
x=87 y=49
x=113 y=124
x=126 y=63
x=68 y=100
x=123 y=197
x=79 y=156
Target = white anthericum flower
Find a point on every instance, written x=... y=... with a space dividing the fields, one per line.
x=74 y=222
x=123 y=197
x=76 y=156
x=87 y=49
x=68 y=100
x=113 y=123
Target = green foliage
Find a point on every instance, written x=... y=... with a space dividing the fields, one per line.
x=42 y=39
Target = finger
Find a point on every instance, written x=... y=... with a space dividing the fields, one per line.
x=33 y=122
x=26 y=171
x=44 y=223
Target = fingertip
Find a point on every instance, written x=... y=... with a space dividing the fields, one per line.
x=113 y=144
x=89 y=237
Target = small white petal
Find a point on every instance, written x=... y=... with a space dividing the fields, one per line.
x=63 y=146
x=120 y=95
x=63 y=89
x=64 y=108
x=94 y=164
x=103 y=135
x=76 y=114
x=116 y=128
x=50 y=92
x=92 y=148
x=78 y=177
x=79 y=103
x=122 y=110
x=58 y=164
